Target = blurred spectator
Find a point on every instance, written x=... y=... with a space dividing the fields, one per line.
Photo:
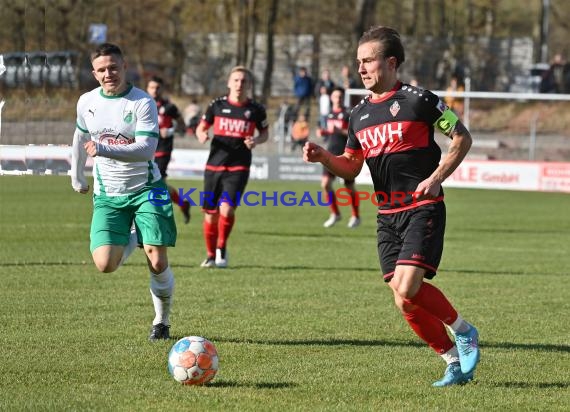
x=303 y=89
x=554 y=79
x=324 y=107
x=325 y=81
x=444 y=69
x=455 y=103
x=192 y=115
x=300 y=131
x=346 y=79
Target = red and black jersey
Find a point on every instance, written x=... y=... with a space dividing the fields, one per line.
x=233 y=122
x=167 y=114
x=396 y=136
x=337 y=127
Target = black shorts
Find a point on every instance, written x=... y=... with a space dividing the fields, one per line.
x=162 y=163
x=412 y=237
x=220 y=187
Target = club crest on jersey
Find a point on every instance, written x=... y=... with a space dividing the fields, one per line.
x=128 y=116
x=395 y=108
x=247 y=114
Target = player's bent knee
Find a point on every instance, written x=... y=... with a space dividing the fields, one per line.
x=157 y=258
x=107 y=258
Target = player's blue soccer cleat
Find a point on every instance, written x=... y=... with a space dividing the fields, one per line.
x=468 y=347
x=453 y=376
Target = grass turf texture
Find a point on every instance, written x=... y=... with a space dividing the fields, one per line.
x=301 y=319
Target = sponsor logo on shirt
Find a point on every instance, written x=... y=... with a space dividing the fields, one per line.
x=112 y=140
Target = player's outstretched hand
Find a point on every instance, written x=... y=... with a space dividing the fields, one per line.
x=313 y=152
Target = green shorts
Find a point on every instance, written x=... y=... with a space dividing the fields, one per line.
x=113 y=218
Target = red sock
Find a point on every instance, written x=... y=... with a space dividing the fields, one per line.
x=433 y=301
x=429 y=329
x=331 y=197
x=225 y=224
x=210 y=236
x=174 y=195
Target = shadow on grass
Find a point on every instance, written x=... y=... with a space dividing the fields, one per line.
x=256 y=385
x=321 y=342
x=327 y=234
x=532 y=385
x=544 y=347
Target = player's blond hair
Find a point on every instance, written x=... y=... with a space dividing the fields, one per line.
x=244 y=70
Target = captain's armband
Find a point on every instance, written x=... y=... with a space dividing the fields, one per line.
x=446 y=122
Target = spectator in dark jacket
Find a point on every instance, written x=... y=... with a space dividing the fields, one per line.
x=303 y=89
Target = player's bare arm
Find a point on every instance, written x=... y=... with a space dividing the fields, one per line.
x=262 y=137
x=460 y=144
x=347 y=165
x=202 y=133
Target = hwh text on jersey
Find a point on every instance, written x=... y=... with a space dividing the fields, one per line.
x=233 y=127
x=387 y=132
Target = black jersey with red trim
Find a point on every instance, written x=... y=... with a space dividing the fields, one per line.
x=396 y=137
x=167 y=114
x=233 y=122
x=337 y=127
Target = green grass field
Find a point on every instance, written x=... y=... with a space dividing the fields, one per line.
x=302 y=319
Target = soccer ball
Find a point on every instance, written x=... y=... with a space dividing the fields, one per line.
x=193 y=360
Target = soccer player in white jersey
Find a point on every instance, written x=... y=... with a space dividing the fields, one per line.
x=117 y=125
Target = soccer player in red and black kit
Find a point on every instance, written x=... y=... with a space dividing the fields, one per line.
x=393 y=131
x=235 y=118
x=336 y=134
x=169 y=121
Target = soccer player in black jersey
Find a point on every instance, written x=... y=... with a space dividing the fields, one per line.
x=235 y=118
x=336 y=133
x=393 y=131
x=169 y=121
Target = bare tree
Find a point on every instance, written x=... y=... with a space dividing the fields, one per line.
x=270 y=31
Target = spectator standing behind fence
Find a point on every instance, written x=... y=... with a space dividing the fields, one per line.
x=554 y=79
x=300 y=131
x=453 y=102
x=324 y=107
x=192 y=115
x=347 y=81
x=303 y=89
x=326 y=81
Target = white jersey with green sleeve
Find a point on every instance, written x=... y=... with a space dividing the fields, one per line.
x=125 y=130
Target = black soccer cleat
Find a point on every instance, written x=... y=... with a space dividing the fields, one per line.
x=159 y=331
